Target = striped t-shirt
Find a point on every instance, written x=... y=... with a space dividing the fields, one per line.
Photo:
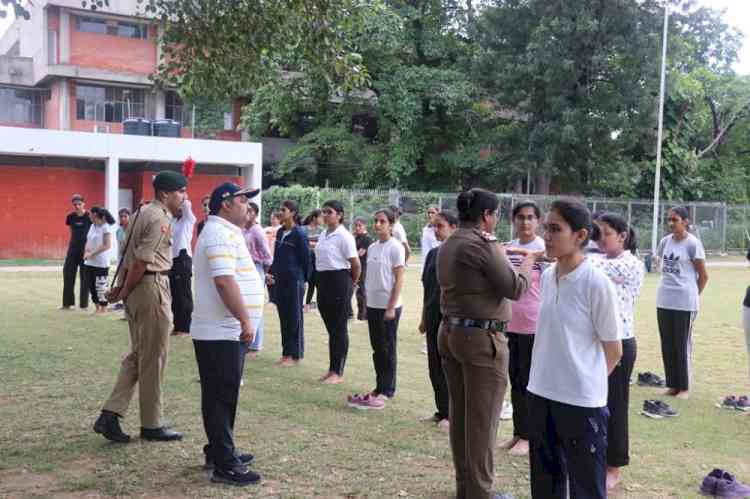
x=221 y=251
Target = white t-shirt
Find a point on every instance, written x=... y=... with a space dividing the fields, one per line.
x=399 y=233
x=94 y=239
x=429 y=240
x=576 y=314
x=334 y=249
x=221 y=250
x=678 y=287
x=382 y=258
x=182 y=230
x=626 y=273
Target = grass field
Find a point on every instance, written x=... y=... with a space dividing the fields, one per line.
x=57 y=368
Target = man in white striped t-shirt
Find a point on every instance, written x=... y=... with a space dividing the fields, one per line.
x=228 y=306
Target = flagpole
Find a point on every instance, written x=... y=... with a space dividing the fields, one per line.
x=659 y=135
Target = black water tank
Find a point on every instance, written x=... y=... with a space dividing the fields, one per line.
x=136 y=126
x=167 y=128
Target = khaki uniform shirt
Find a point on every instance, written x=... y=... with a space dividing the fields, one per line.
x=476 y=279
x=150 y=238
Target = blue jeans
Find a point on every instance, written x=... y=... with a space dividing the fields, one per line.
x=257 y=343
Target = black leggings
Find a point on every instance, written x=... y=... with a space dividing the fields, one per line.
x=618 y=401
x=334 y=290
x=676 y=333
x=96 y=278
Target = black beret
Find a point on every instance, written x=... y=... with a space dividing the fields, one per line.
x=169 y=181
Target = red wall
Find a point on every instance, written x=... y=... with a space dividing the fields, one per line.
x=36 y=201
x=112 y=53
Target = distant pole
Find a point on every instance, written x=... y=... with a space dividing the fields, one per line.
x=192 y=123
x=657 y=178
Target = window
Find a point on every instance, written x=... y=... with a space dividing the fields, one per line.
x=20 y=106
x=109 y=104
x=175 y=109
x=111 y=27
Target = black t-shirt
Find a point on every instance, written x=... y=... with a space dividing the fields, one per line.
x=431 y=285
x=79 y=229
x=363 y=241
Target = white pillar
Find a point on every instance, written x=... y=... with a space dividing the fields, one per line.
x=64 y=106
x=64 y=38
x=160 y=102
x=112 y=185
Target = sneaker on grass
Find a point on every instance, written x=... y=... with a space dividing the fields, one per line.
x=650 y=379
x=729 y=402
x=239 y=475
x=656 y=409
x=728 y=486
x=743 y=404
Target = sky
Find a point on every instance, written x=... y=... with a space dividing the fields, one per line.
x=737 y=14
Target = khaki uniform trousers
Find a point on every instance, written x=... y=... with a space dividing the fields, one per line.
x=475 y=362
x=149 y=312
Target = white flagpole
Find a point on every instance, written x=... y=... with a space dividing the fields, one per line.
x=659 y=135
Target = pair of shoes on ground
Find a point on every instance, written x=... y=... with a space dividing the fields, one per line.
x=238 y=475
x=108 y=425
x=650 y=379
x=720 y=483
x=365 y=401
x=656 y=409
x=741 y=403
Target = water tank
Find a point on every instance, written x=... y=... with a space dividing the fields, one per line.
x=167 y=128
x=136 y=126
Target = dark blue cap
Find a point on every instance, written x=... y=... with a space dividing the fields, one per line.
x=228 y=191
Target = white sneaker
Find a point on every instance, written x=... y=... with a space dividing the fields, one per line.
x=507 y=412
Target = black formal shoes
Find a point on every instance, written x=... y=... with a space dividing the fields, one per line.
x=162 y=434
x=108 y=425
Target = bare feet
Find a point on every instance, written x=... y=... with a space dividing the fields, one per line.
x=332 y=379
x=613 y=478
x=508 y=444
x=282 y=361
x=520 y=449
x=444 y=425
x=671 y=392
x=683 y=395
x=252 y=354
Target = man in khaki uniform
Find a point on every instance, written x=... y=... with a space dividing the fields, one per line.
x=476 y=281
x=143 y=286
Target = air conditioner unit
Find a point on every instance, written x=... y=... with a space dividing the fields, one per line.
x=101 y=128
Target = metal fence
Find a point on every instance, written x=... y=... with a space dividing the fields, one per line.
x=721 y=227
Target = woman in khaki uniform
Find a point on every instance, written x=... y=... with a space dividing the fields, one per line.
x=477 y=283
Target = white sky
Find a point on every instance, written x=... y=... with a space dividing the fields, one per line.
x=737 y=14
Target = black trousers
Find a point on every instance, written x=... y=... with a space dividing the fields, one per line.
x=568 y=450
x=676 y=333
x=181 y=285
x=519 y=368
x=74 y=265
x=383 y=339
x=435 y=367
x=361 y=296
x=618 y=402
x=288 y=299
x=334 y=290
x=220 y=364
x=312 y=282
x=96 y=281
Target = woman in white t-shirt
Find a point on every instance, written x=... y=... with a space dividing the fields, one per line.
x=617 y=244
x=385 y=278
x=577 y=345
x=398 y=231
x=96 y=256
x=683 y=278
x=337 y=263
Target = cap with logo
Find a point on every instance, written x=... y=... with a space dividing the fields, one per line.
x=228 y=191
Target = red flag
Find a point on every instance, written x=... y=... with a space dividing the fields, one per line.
x=188 y=167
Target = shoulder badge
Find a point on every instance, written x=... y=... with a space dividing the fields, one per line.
x=489 y=237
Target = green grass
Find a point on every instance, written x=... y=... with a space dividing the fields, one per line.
x=27 y=262
x=57 y=368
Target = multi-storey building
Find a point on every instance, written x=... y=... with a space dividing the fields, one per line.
x=67 y=70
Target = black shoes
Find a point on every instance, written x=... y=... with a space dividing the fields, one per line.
x=162 y=434
x=245 y=459
x=650 y=379
x=656 y=409
x=108 y=425
x=239 y=475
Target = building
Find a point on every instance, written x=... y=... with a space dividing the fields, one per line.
x=69 y=78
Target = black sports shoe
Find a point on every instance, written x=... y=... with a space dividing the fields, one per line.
x=650 y=379
x=108 y=425
x=665 y=410
x=245 y=459
x=239 y=475
x=656 y=409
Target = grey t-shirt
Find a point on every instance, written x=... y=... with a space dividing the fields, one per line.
x=678 y=288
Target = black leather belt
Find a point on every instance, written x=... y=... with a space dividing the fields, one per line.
x=151 y=272
x=492 y=324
